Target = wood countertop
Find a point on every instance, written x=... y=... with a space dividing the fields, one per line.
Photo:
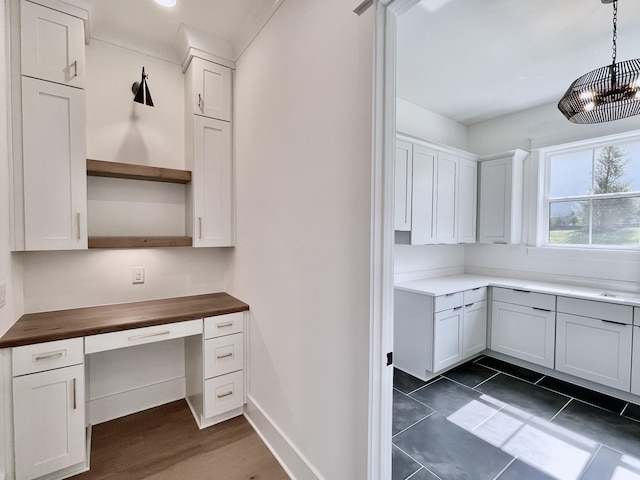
x=80 y=322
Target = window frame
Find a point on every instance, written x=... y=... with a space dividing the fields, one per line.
x=546 y=155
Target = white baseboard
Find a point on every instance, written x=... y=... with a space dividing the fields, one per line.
x=287 y=454
x=132 y=401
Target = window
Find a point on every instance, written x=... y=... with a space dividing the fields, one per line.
x=592 y=195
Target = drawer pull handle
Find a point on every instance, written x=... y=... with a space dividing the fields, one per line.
x=521 y=291
x=224 y=325
x=449 y=294
x=611 y=321
x=477 y=288
x=147 y=335
x=457 y=308
x=226 y=355
x=49 y=356
x=541 y=309
x=222 y=395
x=469 y=305
x=75 y=404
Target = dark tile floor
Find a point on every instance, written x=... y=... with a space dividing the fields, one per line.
x=490 y=420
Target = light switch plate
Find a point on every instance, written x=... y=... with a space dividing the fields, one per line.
x=3 y=295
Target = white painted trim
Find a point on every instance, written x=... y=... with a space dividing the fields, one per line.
x=614 y=131
x=382 y=237
x=294 y=463
x=438 y=146
x=125 y=403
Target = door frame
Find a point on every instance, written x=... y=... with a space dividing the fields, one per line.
x=382 y=236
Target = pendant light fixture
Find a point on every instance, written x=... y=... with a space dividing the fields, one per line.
x=141 y=91
x=606 y=94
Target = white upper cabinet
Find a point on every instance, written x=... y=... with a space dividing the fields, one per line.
x=435 y=190
x=446 y=216
x=52 y=45
x=54 y=166
x=467 y=200
x=212 y=195
x=209 y=89
x=423 y=228
x=403 y=184
x=501 y=195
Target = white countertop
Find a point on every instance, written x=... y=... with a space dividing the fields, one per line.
x=456 y=283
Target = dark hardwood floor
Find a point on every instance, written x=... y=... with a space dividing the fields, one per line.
x=164 y=443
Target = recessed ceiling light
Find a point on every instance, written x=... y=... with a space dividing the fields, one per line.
x=166 y=3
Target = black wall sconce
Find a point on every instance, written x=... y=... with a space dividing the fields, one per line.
x=141 y=91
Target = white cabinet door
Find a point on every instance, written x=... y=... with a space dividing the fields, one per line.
x=474 y=329
x=211 y=183
x=495 y=201
x=210 y=89
x=523 y=332
x=403 y=182
x=424 y=177
x=447 y=338
x=594 y=349
x=54 y=166
x=52 y=45
x=446 y=204
x=501 y=198
x=49 y=418
x=635 y=367
x=467 y=200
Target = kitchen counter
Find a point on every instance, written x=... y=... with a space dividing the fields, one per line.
x=79 y=322
x=455 y=283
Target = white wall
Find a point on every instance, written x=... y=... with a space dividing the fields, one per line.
x=542 y=124
x=303 y=139
x=545 y=125
x=120 y=130
x=419 y=122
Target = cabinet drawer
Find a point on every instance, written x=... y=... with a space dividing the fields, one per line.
x=475 y=295
x=223 y=325
x=525 y=297
x=223 y=355
x=140 y=336
x=223 y=393
x=448 y=301
x=595 y=309
x=47 y=356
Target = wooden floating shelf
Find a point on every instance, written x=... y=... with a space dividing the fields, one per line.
x=100 y=168
x=139 y=242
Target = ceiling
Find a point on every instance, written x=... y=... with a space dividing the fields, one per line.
x=472 y=60
x=153 y=29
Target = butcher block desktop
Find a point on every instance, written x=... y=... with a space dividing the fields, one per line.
x=81 y=322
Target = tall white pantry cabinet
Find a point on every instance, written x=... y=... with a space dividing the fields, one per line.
x=208 y=153
x=50 y=190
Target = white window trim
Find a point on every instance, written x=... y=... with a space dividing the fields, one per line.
x=539 y=207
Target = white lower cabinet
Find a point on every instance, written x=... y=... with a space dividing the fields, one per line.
x=434 y=333
x=214 y=366
x=596 y=347
x=525 y=331
x=49 y=413
x=474 y=329
x=447 y=338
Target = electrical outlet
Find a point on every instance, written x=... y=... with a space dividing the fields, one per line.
x=3 y=295
x=137 y=275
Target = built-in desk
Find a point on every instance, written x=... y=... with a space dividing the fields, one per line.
x=48 y=378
